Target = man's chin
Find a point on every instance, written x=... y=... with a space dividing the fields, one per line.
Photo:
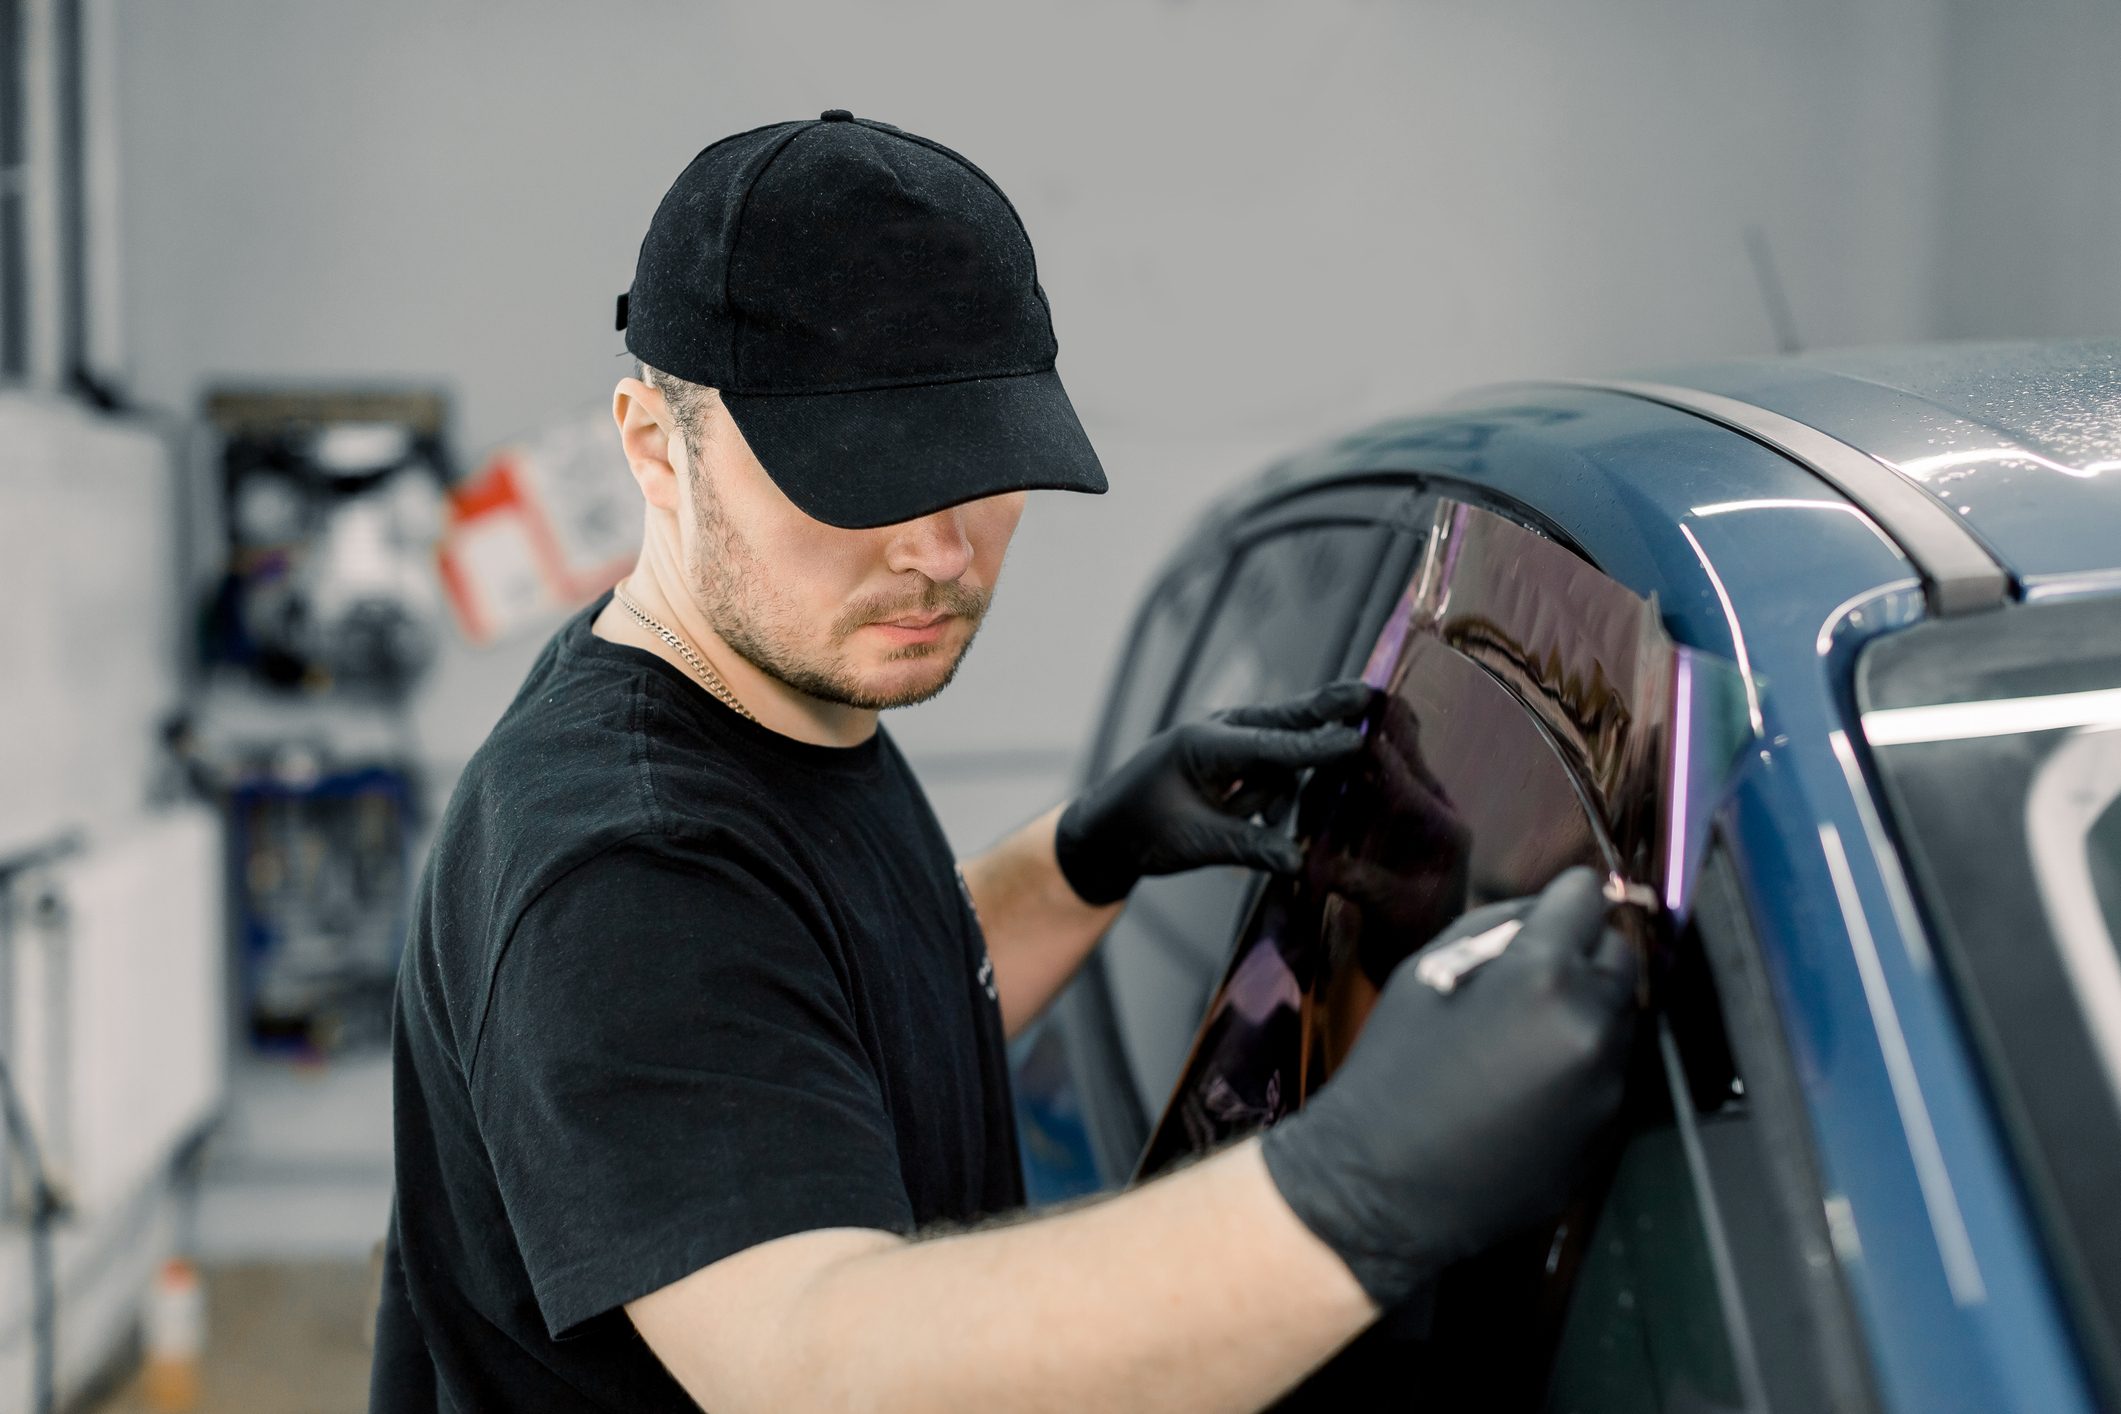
x=906 y=682
x=893 y=682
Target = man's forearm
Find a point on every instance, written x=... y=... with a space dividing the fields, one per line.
x=1038 y=930
x=1200 y=1291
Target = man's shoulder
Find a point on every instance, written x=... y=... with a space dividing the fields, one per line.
x=569 y=805
x=579 y=768
x=563 y=761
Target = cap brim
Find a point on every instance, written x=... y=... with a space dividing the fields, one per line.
x=885 y=455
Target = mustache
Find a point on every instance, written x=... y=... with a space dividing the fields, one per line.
x=960 y=599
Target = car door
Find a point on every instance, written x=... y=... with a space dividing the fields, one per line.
x=1537 y=697
x=1708 y=1279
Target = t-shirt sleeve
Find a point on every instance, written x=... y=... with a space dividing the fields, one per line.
x=669 y=1073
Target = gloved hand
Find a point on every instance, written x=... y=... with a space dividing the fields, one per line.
x=1186 y=797
x=1460 y=1118
x=1396 y=847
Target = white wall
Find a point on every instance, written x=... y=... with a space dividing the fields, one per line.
x=2031 y=222
x=89 y=643
x=1258 y=223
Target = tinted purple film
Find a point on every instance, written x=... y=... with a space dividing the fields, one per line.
x=1523 y=729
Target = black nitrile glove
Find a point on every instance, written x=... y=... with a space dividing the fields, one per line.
x=1186 y=798
x=1458 y=1119
x=1396 y=847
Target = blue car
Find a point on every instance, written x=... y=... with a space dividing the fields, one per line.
x=1819 y=660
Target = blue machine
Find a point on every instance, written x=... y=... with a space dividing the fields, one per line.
x=1914 y=558
x=319 y=871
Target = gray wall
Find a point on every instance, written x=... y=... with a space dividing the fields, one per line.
x=2030 y=240
x=1258 y=223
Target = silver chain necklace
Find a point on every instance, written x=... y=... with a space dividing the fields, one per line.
x=700 y=667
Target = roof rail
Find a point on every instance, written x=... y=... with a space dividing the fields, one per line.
x=1959 y=575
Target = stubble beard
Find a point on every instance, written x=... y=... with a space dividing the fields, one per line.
x=731 y=581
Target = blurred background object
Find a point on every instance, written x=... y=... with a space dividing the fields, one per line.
x=326 y=613
x=331 y=507
x=305 y=343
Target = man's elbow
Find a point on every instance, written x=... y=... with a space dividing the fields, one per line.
x=738 y=1334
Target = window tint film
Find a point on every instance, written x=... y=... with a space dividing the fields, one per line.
x=1521 y=730
x=1459 y=801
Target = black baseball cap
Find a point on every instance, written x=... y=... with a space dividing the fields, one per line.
x=866 y=302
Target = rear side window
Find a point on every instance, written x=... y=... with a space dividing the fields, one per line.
x=1278 y=628
x=1282 y=619
x=1155 y=658
x=1531 y=692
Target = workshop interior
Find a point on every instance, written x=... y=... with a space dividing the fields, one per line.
x=1504 y=356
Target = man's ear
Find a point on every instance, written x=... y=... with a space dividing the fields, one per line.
x=648 y=435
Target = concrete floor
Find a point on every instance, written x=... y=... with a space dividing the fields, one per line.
x=281 y=1338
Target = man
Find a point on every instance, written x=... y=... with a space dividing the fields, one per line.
x=700 y=1083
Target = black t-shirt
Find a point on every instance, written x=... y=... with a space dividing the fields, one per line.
x=675 y=985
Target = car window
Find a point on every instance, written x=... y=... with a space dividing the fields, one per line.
x=1165 y=958
x=1645 y=1330
x=1281 y=620
x=1155 y=657
x=1310 y=961
x=1997 y=741
x=1277 y=629
x=1522 y=709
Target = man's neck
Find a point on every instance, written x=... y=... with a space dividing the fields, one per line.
x=774 y=703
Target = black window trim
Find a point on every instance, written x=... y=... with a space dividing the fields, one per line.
x=1753 y=1031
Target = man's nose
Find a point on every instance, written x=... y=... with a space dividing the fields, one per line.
x=936 y=545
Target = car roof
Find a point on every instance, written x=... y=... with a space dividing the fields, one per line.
x=2021 y=440
x=1991 y=470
